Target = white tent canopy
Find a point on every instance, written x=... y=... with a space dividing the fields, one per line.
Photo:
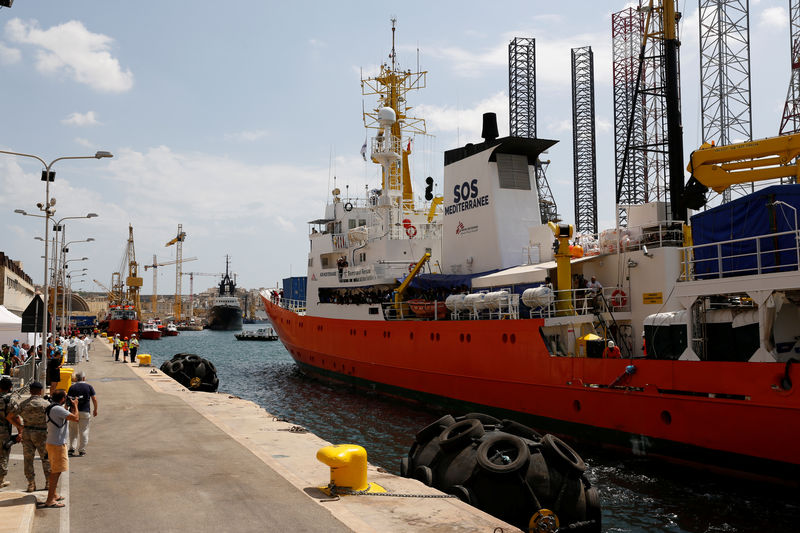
x=11 y=328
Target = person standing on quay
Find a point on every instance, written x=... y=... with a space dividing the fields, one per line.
x=6 y=407
x=87 y=341
x=124 y=347
x=33 y=428
x=116 y=345
x=134 y=347
x=79 y=431
x=57 y=418
x=54 y=359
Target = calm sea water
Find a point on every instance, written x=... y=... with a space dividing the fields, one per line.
x=637 y=495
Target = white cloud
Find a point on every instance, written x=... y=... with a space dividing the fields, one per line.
x=246 y=135
x=72 y=50
x=84 y=142
x=316 y=43
x=8 y=55
x=774 y=17
x=468 y=122
x=81 y=119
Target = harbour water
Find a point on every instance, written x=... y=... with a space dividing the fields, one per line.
x=637 y=494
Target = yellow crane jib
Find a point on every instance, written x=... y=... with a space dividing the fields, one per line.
x=563 y=233
x=719 y=167
x=398 y=293
x=434 y=204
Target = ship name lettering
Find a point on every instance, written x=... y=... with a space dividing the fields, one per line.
x=466 y=205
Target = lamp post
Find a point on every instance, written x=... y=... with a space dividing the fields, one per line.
x=48 y=176
x=62 y=228
x=64 y=278
x=796 y=236
x=67 y=307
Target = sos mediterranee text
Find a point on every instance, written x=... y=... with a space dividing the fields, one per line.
x=466 y=196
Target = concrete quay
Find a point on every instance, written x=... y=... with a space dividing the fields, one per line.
x=162 y=458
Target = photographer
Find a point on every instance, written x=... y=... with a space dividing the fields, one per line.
x=57 y=418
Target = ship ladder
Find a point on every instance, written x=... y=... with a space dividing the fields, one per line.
x=598 y=312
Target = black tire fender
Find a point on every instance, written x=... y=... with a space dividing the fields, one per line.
x=404 y=467
x=461 y=433
x=503 y=454
x=562 y=452
x=431 y=430
x=486 y=420
x=521 y=430
x=462 y=493
x=424 y=474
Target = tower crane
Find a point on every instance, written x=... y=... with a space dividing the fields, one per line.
x=133 y=281
x=113 y=298
x=191 y=287
x=155 y=266
x=178 y=242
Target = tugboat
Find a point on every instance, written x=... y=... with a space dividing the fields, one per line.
x=225 y=312
x=170 y=331
x=122 y=320
x=702 y=312
x=150 y=331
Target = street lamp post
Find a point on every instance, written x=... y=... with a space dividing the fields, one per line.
x=62 y=228
x=63 y=276
x=48 y=176
x=67 y=307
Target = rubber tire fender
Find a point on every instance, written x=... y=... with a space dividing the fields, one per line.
x=486 y=420
x=431 y=430
x=460 y=434
x=562 y=451
x=424 y=474
x=594 y=510
x=521 y=430
x=462 y=493
x=512 y=444
x=176 y=366
x=404 y=467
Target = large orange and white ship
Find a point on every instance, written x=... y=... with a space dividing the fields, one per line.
x=706 y=316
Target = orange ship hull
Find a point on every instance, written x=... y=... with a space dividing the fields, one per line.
x=730 y=416
x=125 y=328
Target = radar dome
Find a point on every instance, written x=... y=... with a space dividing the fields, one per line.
x=386 y=115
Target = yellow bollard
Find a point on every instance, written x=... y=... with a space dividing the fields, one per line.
x=110 y=340
x=348 y=464
x=144 y=359
x=103 y=335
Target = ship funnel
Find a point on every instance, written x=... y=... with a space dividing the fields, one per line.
x=489 y=132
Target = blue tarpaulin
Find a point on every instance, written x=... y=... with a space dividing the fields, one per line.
x=444 y=281
x=750 y=216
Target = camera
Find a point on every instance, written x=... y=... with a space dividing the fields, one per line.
x=10 y=442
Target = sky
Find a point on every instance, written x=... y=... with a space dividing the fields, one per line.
x=233 y=118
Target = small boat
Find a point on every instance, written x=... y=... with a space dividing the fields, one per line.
x=261 y=334
x=426 y=309
x=150 y=331
x=170 y=331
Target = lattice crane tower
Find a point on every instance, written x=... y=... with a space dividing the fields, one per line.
x=726 y=110
x=790 y=122
x=522 y=113
x=178 y=242
x=583 y=140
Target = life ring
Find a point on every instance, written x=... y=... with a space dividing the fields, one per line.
x=411 y=231
x=411 y=267
x=619 y=298
x=348 y=207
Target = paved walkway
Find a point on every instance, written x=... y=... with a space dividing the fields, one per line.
x=163 y=459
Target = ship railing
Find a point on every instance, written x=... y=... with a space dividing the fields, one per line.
x=658 y=234
x=297 y=306
x=339 y=241
x=762 y=254
x=584 y=302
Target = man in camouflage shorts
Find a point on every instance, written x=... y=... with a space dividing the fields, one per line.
x=6 y=405
x=34 y=432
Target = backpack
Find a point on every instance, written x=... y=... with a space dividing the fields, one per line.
x=47 y=414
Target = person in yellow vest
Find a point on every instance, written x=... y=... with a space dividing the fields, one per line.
x=124 y=347
x=134 y=347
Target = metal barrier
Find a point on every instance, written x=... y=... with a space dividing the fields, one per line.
x=763 y=254
x=26 y=371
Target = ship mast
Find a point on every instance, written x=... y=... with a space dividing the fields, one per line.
x=389 y=148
